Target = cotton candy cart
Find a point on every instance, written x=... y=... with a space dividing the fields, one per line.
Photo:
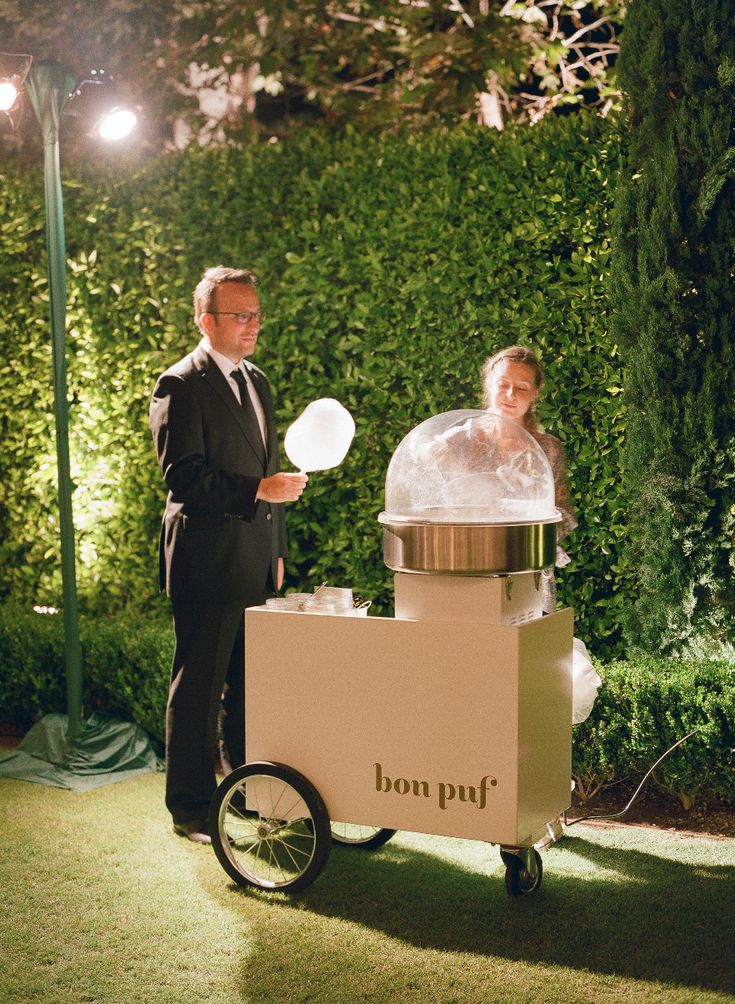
x=443 y=726
x=452 y=717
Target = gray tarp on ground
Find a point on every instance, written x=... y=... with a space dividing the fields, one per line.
x=107 y=750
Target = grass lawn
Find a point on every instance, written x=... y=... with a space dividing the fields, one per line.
x=101 y=903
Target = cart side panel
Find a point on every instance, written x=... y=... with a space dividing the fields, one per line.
x=399 y=724
x=545 y=723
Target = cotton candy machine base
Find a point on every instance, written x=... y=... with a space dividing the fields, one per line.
x=468 y=548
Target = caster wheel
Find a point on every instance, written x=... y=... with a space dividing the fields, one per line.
x=269 y=827
x=519 y=878
x=357 y=835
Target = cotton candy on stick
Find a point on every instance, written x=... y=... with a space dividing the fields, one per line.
x=320 y=437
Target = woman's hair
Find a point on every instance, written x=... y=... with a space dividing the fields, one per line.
x=514 y=354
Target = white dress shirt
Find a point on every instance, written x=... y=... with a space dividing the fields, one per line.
x=227 y=366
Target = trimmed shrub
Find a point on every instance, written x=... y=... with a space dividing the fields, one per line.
x=642 y=709
x=126 y=665
x=32 y=681
x=127 y=661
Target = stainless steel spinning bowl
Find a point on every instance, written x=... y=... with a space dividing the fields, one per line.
x=468 y=548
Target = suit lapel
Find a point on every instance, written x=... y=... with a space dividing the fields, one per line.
x=213 y=375
x=261 y=389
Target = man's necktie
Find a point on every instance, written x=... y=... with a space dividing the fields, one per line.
x=251 y=418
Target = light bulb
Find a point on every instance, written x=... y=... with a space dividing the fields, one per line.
x=117 y=124
x=8 y=95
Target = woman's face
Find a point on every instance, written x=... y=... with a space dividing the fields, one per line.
x=512 y=390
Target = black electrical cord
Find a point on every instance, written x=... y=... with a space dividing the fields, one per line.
x=648 y=773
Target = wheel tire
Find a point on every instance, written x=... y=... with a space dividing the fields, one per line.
x=518 y=882
x=357 y=835
x=269 y=827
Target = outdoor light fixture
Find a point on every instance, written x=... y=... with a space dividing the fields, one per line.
x=97 y=101
x=8 y=95
x=116 y=124
x=13 y=72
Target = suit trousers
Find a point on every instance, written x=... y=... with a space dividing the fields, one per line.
x=209 y=653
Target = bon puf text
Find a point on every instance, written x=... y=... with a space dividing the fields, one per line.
x=445 y=791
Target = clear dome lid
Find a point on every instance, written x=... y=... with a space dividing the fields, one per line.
x=469 y=466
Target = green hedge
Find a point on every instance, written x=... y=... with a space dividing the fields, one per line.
x=642 y=708
x=126 y=665
x=390 y=268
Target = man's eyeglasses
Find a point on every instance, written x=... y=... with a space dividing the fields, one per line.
x=242 y=316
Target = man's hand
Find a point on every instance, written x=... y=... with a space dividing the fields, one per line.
x=282 y=487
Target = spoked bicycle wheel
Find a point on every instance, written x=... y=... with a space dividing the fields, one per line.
x=269 y=827
x=359 y=835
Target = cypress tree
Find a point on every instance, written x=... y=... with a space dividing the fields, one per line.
x=673 y=313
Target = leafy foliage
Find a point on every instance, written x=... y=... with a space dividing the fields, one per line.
x=643 y=708
x=574 y=47
x=126 y=665
x=390 y=268
x=220 y=72
x=674 y=315
x=31 y=665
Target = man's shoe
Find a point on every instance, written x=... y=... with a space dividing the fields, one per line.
x=194 y=830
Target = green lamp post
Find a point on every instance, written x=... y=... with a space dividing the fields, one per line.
x=49 y=87
x=64 y=750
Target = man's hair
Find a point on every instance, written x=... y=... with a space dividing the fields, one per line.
x=205 y=294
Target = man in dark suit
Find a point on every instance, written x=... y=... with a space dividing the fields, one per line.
x=223 y=538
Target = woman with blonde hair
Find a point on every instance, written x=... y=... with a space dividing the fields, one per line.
x=512 y=380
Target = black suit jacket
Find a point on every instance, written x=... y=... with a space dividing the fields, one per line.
x=218 y=543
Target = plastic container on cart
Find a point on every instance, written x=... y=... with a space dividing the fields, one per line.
x=339 y=595
x=282 y=603
x=316 y=605
x=325 y=600
x=469 y=466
